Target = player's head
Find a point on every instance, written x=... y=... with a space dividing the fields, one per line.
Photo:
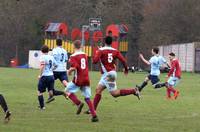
x=171 y=56
x=77 y=44
x=59 y=42
x=155 y=51
x=108 y=40
x=45 y=49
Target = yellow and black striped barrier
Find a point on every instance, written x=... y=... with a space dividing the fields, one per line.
x=68 y=46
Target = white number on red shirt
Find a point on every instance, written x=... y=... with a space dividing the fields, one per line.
x=110 y=57
x=83 y=63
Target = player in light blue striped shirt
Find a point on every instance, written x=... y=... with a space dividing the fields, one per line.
x=46 y=78
x=61 y=57
x=156 y=61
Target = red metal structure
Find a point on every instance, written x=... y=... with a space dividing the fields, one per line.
x=55 y=30
x=119 y=34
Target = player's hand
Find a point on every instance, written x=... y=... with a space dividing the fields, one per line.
x=141 y=56
x=39 y=77
x=69 y=72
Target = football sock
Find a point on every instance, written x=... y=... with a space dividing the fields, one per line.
x=172 y=89
x=160 y=85
x=96 y=101
x=74 y=99
x=41 y=101
x=168 y=92
x=3 y=103
x=91 y=107
x=142 y=85
x=124 y=92
x=57 y=92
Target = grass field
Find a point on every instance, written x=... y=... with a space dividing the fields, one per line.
x=125 y=114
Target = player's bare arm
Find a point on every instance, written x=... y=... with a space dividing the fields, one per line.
x=71 y=69
x=42 y=65
x=144 y=60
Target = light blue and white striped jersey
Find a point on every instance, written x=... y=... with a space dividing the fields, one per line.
x=155 y=65
x=49 y=63
x=61 y=57
x=162 y=60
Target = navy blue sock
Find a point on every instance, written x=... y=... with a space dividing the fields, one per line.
x=57 y=92
x=160 y=85
x=41 y=101
x=142 y=85
x=3 y=103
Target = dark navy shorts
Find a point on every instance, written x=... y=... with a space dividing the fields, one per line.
x=61 y=76
x=46 y=82
x=154 y=79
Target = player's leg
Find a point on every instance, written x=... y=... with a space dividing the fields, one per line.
x=64 y=80
x=58 y=92
x=110 y=83
x=50 y=87
x=58 y=75
x=144 y=84
x=41 y=90
x=97 y=98
x=172 y=82
x=125 y=92
x=168 y=93
x=86 y=91
x=41 y=100
x=71 y=90
x=160 y=85
x=5 y=107
x=98 y=95
x=155 y=81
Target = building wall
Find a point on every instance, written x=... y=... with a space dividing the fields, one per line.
x=184 y=52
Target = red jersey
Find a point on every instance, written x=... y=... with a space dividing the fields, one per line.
x=175 y=69
x=79 y=60
x=107 y=57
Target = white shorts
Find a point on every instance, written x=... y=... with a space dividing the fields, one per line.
x=110 y=85
x=173 y=81
x=72 y=88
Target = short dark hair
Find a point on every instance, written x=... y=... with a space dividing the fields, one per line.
x=59 y=42
x=77 y=44
x=108 y=40
x=172 y=54
x=156 y=50
x=109 y=31
x=45 y=49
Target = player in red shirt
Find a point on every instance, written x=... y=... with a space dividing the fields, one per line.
x=79 y=64
x=173 y=76
x=107 y=57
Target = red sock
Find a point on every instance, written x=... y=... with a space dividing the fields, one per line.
x=91 y=107
x=124 y=92
x=168 y=93
x=172 y=89
x=96 y=101
x=74 y=99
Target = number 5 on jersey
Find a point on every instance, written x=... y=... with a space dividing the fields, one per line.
x=110 y=57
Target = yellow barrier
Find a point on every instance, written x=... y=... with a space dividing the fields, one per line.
x=123 y=46
x=68 y=46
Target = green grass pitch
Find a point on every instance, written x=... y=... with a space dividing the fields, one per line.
x=153 y=113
